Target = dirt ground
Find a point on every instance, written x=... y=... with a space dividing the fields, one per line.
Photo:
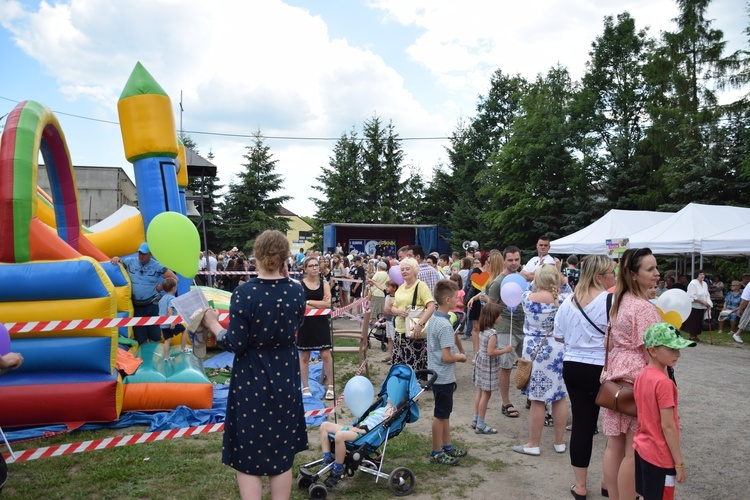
x=714 y=398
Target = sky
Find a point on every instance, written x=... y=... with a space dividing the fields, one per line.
x=301 y=72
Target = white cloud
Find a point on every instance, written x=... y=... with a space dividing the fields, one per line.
x=243 y=66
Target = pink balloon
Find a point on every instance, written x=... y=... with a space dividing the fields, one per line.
x=511 y=294
x=396 y=276
x=4 y=340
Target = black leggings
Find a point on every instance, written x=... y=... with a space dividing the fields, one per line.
x=582 y=381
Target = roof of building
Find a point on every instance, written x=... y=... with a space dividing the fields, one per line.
x=198 y=166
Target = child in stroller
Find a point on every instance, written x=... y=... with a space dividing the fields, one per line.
x=344 y=433
x=362 y=445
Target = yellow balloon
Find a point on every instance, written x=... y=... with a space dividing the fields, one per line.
x=672 y=317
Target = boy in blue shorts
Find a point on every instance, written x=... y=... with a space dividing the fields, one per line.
x=169 y=285
x=442 y=358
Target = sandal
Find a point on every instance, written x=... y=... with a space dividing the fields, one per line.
x=473 y=424
x=509 y=411
x=485 y=430
x=306 y=391
x=329 y=393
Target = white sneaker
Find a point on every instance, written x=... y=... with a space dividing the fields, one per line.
x=560 y=448
x=737 y=338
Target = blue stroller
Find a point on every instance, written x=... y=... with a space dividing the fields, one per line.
x=364 y=454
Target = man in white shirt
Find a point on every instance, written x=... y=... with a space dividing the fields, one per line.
x=542 y=247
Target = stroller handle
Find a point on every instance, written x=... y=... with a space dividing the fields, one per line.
x=430 y=380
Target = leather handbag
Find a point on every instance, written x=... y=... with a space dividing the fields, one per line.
x=415 y=313
x=523 y=371
x=616 y=394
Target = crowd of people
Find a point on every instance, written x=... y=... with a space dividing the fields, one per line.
x=580 y=323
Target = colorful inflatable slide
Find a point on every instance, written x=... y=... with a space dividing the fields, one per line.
x=51 y=268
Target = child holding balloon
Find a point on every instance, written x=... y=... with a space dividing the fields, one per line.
x=358 y=394
x=487 y=366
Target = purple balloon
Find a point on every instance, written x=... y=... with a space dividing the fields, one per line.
x=4 y=340
x=511 y=294
x=396 y=276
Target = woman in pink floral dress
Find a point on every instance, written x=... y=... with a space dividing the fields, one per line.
x=631 y=315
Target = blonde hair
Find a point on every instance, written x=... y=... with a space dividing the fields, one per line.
x=411 y=262
x=591 y=266
x=547 y=278
x=497 y=265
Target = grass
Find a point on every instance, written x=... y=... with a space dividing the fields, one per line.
x=191 y=467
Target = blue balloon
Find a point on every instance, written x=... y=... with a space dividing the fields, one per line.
x=358 y=395
x=517 y=278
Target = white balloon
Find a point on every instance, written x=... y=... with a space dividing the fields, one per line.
x=675 y=300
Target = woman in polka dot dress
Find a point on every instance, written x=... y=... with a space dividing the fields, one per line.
x=265 y=424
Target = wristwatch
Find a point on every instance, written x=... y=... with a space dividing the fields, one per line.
x=421 y=325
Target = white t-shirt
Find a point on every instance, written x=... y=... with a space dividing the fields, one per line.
x=746 y=293
x=583 y=342
x=534 y=263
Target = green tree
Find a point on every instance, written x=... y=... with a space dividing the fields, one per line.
x=381 y=158
x=609 y=114
x=341 y=185
x=546 y=192
x=685 y=68
x=413 y=199
x=472 y=146
x=250 y=206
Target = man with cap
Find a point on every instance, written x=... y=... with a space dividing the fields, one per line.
x=145 y=272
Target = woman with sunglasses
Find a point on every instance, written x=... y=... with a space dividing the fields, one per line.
x=315 y=333
x=630 y=317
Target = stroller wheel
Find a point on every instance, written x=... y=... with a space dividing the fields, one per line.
x=303 y=482
x=401 y=481
x=318 y=492
x=383 y=346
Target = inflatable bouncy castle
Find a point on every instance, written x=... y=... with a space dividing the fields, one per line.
x=52 y=268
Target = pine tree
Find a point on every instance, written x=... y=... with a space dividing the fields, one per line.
x=250 y=206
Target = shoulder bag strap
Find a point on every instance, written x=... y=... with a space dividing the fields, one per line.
x=542 y=342
x=414 y=298
x=578 y=304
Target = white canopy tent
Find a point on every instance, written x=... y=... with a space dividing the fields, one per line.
x=684 y=232
x=614 y=224
x=732 y=242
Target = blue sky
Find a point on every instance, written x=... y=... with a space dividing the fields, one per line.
x=297 y=68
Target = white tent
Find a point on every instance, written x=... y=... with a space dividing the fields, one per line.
x=121 y=214
x=732 y=242
x=683 y=232
x=614 y=224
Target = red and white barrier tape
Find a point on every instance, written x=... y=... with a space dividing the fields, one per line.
x=146 y=437
x=87 y=324
x=341 y=310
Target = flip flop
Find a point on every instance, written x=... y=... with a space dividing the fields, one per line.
x=509 y=411
x=485 y=430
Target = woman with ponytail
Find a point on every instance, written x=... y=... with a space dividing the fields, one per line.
x=546 y=384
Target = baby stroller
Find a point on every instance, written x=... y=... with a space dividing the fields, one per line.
x=377 y=332
x=364 y=454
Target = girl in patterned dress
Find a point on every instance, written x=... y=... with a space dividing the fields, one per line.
x=546 y=384
x=487 y=365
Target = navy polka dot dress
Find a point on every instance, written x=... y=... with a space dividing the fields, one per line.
x=265 y=423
